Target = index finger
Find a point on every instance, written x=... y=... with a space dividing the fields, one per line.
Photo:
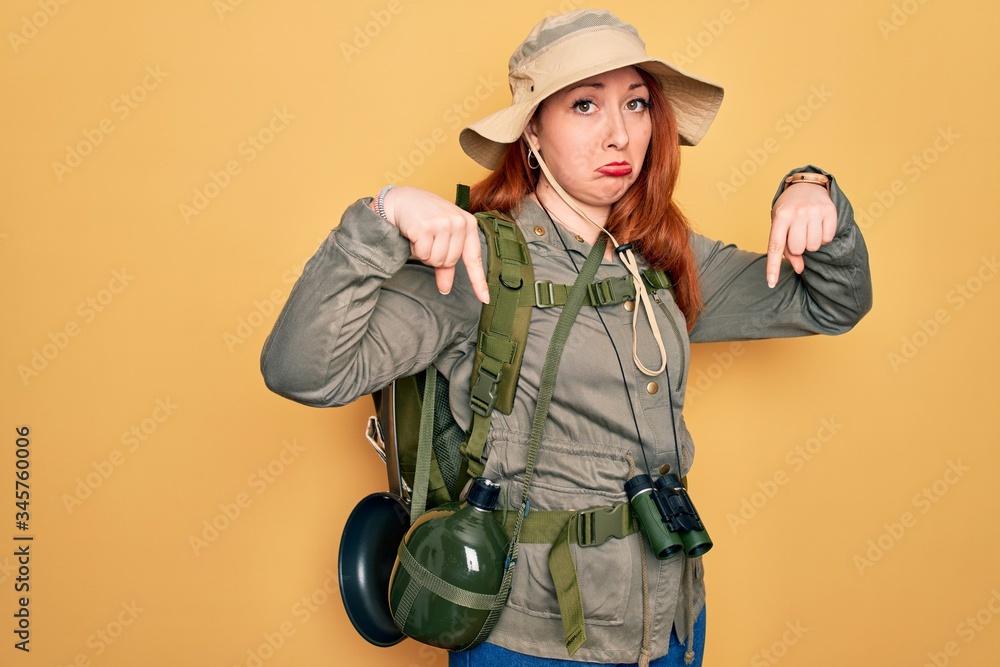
x=473 y=257
x=775 y=250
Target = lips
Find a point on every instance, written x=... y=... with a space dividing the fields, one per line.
x=616 y=169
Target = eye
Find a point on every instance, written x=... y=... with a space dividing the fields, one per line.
x=637 y=104
x=584 y=106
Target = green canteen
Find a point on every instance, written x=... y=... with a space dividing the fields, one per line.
x=448 y=571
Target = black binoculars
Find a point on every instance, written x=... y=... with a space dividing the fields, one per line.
x=667 y=516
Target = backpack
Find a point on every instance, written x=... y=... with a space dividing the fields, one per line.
x=402 y=413
x=430 y=459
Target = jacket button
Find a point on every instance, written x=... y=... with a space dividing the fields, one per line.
x=539 y=231
x=578 y=238
x=629 y=305
x=652 y=387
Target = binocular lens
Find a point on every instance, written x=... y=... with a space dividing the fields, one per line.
x=696 y=543
x=681 y=516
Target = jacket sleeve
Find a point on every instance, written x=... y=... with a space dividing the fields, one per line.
x=359 y=316
x=830 y=296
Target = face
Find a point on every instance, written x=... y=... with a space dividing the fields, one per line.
x=593 y=135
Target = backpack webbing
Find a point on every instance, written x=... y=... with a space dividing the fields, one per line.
x=503 y=330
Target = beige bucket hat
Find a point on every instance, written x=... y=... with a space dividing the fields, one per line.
x=564 y=49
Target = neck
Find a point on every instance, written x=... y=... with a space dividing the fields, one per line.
x=561 y=212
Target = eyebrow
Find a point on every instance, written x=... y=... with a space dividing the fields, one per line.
x=598 y=85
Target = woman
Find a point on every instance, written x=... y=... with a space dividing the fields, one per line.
x=589 y=146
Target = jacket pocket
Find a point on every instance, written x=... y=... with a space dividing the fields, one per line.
x=607 y=573
x=604 y=573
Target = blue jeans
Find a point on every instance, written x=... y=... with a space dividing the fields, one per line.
x=489 y=655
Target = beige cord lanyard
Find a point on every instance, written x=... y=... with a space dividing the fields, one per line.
x=628 y=259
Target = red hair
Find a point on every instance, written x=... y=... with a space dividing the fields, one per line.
x=646 y=216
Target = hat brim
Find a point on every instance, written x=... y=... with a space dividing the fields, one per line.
x=696 y=102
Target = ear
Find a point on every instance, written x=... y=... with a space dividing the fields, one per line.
x=531 y=132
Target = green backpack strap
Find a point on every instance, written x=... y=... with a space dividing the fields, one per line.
x=409 y=407
x=425 y=447
x=503 y=331
x=462 y=196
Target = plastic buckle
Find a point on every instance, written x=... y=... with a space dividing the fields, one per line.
x=601 y=294
x=484 y=393
x=656 y=279
x=594 y=294
x=539 y=284
x=597 y=525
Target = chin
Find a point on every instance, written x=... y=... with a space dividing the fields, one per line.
x=601 y=193
x=610 y=195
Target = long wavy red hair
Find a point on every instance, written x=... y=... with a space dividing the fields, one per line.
x=646 y=216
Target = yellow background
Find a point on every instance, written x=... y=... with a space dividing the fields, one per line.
x=147 y=316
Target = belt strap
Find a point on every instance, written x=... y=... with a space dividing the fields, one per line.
x=587 y=528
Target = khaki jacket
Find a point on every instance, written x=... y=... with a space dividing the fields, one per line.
x=360 y=316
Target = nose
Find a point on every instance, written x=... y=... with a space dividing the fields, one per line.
x=616 y=131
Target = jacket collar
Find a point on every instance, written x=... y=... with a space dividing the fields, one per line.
x=538 y=227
